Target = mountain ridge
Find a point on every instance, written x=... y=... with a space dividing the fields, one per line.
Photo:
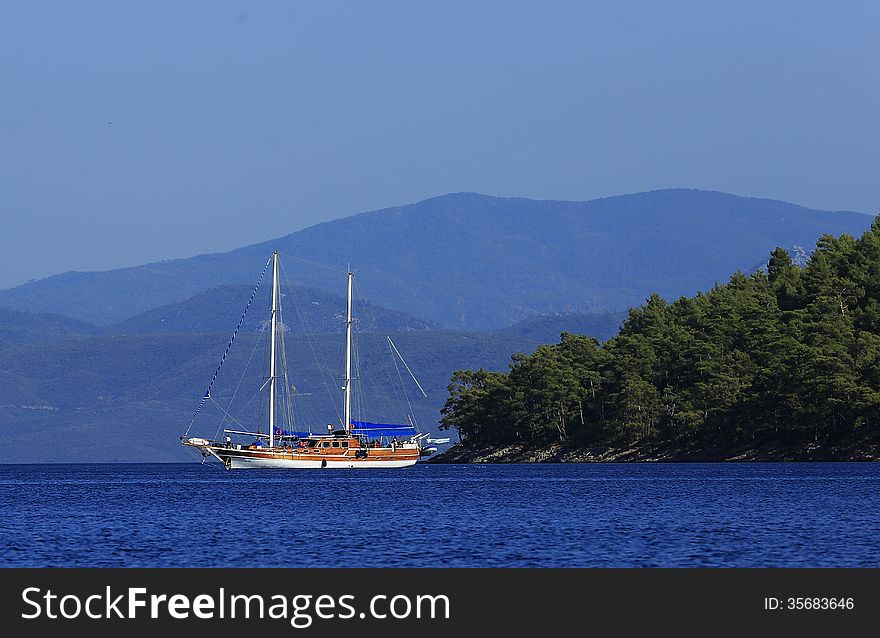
x=313 y=310
x=477 y=262
x=19 y=327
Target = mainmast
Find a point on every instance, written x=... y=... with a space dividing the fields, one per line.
x=272 y=350
x=347 y=387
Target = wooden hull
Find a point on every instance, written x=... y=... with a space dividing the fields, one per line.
x=285 y=458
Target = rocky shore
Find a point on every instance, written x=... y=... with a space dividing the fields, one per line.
x=561 y=453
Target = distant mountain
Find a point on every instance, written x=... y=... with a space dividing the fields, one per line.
x=303 y=310
x=547 y=328
x=26 y=327
x=128 y=397
x=477 y=262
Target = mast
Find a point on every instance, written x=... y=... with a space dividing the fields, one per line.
x=347 y=387
x=272 y=349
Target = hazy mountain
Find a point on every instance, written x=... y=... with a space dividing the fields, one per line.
x=479 y=262
x=547 y=328
x=128 y=397
x=303 y=310
x=26 y=327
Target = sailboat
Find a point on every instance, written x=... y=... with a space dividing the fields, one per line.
x=356 y=444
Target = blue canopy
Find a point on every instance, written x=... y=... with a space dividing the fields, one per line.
x=382 y=429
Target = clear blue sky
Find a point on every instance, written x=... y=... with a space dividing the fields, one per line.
x=137 y=131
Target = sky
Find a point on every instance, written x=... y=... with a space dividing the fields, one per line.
x=133 y=132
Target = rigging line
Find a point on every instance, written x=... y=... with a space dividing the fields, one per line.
x=419 y=385
x=332 y=268
x=376 y=389
x=231 y=418
x=313 y=263
x=360 y=396
x=207 y=394
x=356 y=386
x=259 y=337
x=311 y=415
x=324 y=372
x=357 y=397
x=240 y=412
x=282 y=375
x=243 y=407
x=241 y=378
x=398 y=388
x=286 y=395
x=405 y=394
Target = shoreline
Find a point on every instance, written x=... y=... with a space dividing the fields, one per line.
x=596 y=453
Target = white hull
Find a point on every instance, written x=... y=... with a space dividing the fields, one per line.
x=242 y=463
x=238 y=459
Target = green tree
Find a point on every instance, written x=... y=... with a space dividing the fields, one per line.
x=788 y=356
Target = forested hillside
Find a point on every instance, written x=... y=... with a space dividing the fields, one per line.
x=788 y=358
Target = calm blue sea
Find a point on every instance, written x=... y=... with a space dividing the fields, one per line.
x=604 y=515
